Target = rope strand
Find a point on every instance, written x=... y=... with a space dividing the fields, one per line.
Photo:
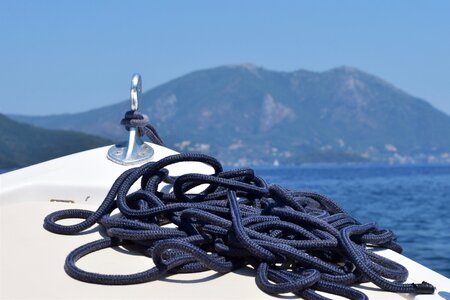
x=135 y=119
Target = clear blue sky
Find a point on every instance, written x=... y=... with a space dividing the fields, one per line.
x=70 y=56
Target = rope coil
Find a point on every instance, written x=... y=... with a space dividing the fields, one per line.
x=297 y=242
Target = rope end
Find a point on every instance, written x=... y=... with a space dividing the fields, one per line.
x=424 y=288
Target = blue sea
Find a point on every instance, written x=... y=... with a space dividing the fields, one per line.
x=413 y=201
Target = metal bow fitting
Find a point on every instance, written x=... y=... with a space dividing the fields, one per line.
x=135 y=151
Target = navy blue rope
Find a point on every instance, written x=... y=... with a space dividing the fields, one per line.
x=140 y=121
x=299 y=242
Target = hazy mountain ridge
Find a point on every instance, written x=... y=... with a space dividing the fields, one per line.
x=22 y=144
x=247 y=114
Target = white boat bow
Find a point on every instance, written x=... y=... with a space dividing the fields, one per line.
x=32 y=258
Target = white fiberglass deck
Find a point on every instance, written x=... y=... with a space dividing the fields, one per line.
x=32 y=259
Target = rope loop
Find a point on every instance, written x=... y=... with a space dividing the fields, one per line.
x=140 y=121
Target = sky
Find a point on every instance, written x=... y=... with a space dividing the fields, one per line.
x=71 y=56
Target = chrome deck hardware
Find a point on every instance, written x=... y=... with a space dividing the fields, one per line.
x=135 y=151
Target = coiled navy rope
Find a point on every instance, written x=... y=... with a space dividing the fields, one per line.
x=298 y=242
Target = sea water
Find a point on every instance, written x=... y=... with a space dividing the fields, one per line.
x=413 y=201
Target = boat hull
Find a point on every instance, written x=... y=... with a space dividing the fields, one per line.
x=32 y=258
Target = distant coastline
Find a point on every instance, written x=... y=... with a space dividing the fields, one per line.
x=249 y=115
x=347 y=165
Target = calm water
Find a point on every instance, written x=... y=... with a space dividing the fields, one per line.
x=413 y=201
x=6 y=170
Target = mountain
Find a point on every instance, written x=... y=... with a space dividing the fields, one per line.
x=248 y=114
x=22 y=144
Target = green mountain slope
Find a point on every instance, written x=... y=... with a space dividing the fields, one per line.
x=22 y=144
x=244 y=113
